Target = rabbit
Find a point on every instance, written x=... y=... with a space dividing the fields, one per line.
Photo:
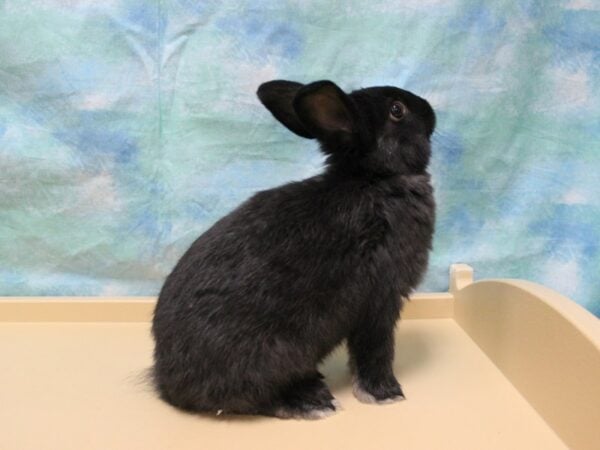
x=266 y=293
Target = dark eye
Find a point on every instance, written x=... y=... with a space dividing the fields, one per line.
x=397 y=111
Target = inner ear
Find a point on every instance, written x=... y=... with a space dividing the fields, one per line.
x=324 y=108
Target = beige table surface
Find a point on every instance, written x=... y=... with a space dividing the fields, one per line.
x=80 y=386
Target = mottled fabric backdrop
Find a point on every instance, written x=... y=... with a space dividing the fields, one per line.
x=128 y=127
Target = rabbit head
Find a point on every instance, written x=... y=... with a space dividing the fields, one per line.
x=373 y=131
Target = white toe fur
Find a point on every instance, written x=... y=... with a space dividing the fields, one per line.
x=313 y=414
x=317 y=414
x=337 y=404
x=364 y=397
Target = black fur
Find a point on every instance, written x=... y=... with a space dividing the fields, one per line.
x=269 y=290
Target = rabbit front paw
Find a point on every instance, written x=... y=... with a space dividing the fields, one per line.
x=379 y=392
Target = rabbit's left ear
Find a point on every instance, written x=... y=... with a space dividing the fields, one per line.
x=325 y=110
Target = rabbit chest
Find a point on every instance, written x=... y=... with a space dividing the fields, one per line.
x=404 y=220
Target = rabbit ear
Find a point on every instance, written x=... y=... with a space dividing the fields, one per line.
x=325 y=110
x=278 y=97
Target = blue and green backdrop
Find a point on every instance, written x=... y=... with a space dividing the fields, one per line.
x=127 y=127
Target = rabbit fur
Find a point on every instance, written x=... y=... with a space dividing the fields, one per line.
x=265 y=294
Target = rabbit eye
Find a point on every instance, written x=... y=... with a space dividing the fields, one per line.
x=397 y=111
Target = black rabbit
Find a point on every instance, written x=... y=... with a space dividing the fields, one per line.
x=269 y=290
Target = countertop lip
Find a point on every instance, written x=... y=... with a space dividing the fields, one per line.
x=433 y=305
